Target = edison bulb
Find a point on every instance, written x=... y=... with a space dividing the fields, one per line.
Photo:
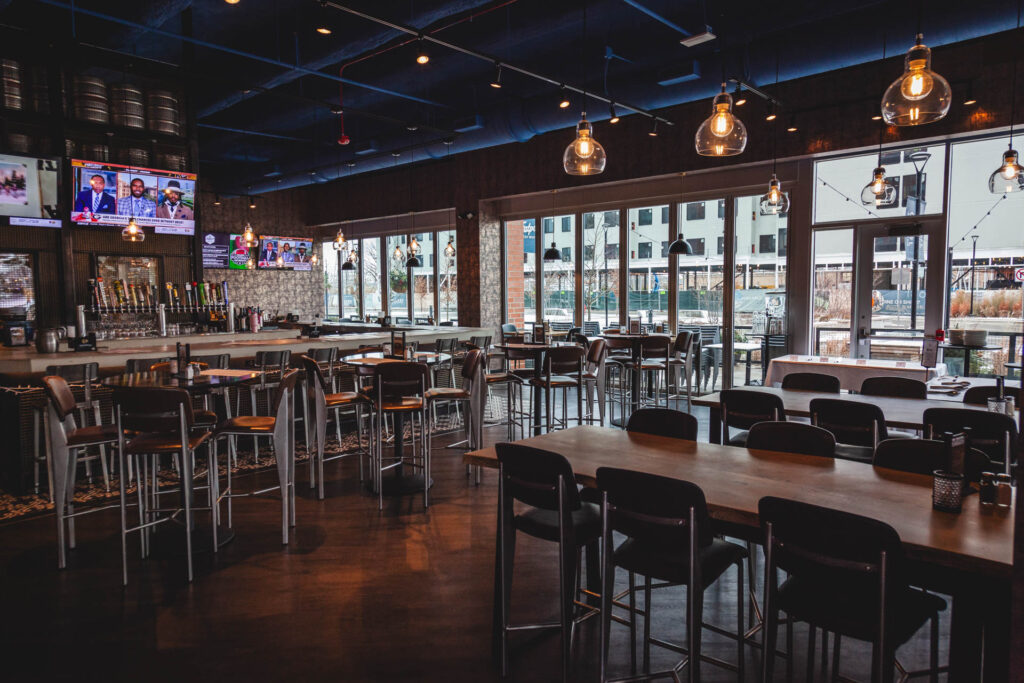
x=878 y=184
x=1009 y=172
x=583 y=147
x=584 y=155
x=722 y=124
x=917 y=83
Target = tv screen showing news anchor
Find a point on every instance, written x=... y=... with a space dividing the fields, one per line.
x=288 y=253
x=112 y=194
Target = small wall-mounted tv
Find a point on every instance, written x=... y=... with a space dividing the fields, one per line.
x=111 y=194
x=224 y=250
x=285 y=253
x=28 y=190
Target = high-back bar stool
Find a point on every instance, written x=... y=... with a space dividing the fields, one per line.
x=67 y=439
x=472 y=393
x=319 y=401
x=86 y=374
x=595 y=378
x=279 y=426
x=266 y=362
x=562 y=370
x=401 y=387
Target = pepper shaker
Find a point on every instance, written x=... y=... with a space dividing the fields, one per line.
x=987 y=489
x=1004 y=490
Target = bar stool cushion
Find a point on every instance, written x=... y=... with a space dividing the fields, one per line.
x=673 y=564
x=204 y=418
x=499 y=377
x=556 y=381
x=543 y=524
x=156 y=442
x=247 y=424
x=86 y=436
x=447 y=394
x=344 y=398
x=852 y=609
x=402 y=404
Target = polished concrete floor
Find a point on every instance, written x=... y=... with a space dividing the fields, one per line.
x=358 y=595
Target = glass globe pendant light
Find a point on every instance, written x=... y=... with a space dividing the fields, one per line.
x=132 y=232
x=449 y=249
x=1009 y=177
x=339 y=241
x=350 y=262
x=774 y=202
x=721 y=134
x=919 y=95
x=249 y=236
x=880 y=191
x=414 y=260
x=585 y=155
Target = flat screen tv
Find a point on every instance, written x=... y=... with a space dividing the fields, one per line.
x=223 y=250
x=111 y=194
x=285 y=253
x=28 y=190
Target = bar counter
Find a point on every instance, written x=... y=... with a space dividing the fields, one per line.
x=19 y=362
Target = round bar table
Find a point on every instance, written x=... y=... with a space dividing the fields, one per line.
x=400 y=484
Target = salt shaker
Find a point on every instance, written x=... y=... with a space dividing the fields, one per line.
x=987 y=489
x=1004 y=490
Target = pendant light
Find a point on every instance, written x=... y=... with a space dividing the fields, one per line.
x=350 y=262
x=774 y=202
x=339 y=241
x=880 y=191
x=132 y=232
x=1009 y=177
x=919 y=95
x=249 y=236
x=721 y=134
x=449 y=249
x=585 y=155
x=398 y=254
x=414 y=260
x=552 y=253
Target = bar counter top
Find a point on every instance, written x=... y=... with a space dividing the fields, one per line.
x=111 y=354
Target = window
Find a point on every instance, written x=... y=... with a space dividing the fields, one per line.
x=589 y=221
x=664 y=214
x=559 y=277
x=549 y=226
x=332 y=293
x=833 y=292
x=18 y=288
x=695 y=211
x=721 y=208
x=664 y=249
x=721 y=245
x=840 y=184
x=982 y=291
x=648 y=277
x=398 y=277
x=766 y=244
x=423 y=280
x=520 y=283
x=369 y=260
x=447 y=277
x=601 y=268
x=783 y=236
x=697 y=244
x=701 y=281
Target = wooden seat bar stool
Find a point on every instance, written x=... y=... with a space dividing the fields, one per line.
x=400 y=390
x=472 y=392
x=321 y=401
x=279 y=426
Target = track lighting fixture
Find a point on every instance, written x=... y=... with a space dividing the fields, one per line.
x=613 y=117
x=252 y=202
x=653 y=132
x=422 y=56
x=496 y=83
x=216 y=200
x=563 y=100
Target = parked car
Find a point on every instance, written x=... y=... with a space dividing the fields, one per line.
x=558 y=315
x=693 y=317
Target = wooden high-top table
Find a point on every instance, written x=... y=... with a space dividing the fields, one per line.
x=968 y=555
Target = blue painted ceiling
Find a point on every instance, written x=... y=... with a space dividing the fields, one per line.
x=266 y=85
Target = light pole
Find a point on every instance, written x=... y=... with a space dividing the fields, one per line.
x=919 y=160
x=974 y=253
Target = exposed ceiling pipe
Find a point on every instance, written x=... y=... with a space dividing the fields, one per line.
x=75 y=9
x=344 y=139
x=657 y=17
x=491 y=59
x=256 y=133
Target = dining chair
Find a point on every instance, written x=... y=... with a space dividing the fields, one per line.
x=472 y=393
x=280 y=427
x=674 y=424
x=924 y=456
x=66 y=441
x=318 y=400
x=792 y=437
x=847 y=575
x=681 y=366
x=857 y=426
x=894 y=387
x=994 y=434
x=811 y=381
x=160 y=421
x=545 y=483
x=669 y=538
x=266 y=362
x=595 y=378
x=980 y=395
x=742 y=408
x=133 y=365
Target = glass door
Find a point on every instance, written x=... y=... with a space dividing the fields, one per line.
x=893 y=277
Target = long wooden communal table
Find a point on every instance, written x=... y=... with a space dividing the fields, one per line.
x=968 y=555
x=902 y=413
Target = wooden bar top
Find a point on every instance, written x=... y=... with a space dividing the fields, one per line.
x=735 y=479
x=26 y=360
